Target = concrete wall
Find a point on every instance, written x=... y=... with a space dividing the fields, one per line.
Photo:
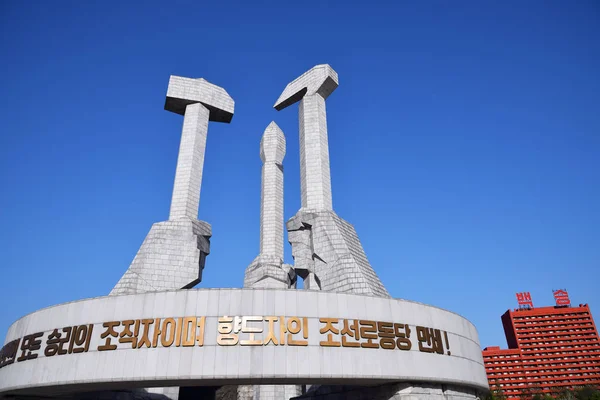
x=214 y=365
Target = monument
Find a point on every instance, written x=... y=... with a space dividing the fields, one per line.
x=342 y=336
x=268 y=269
x=173 y=254
x=327 y=252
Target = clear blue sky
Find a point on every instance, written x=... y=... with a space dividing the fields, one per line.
x=464 y=141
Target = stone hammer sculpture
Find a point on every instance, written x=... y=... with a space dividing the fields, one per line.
x=173 y=254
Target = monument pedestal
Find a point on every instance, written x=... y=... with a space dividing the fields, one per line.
x=171 y=257
x=338 y=259
x=394 y=391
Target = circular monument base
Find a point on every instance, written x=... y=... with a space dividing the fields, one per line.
x=216 y=337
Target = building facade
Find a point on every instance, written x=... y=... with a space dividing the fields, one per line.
x=549 y=349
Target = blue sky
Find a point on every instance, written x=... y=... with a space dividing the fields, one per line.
x=464 y=142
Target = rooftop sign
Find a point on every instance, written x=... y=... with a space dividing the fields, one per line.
x=524 y=300
x=561 y=297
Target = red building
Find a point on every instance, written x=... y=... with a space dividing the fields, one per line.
x=549 y=349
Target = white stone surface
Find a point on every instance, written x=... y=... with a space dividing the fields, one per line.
x=173 y=254
x=315 y=175
x=199 y=101
x=190 y=163
x=267 y=269
x=183 y=91
x=213 y=365
x=272 y=152
x=328 y=248
x=311 y=89
x=320 y=79
x=327 y=252
x=171 y=257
